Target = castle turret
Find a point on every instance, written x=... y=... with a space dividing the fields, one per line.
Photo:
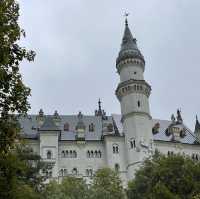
x=133 y=94
x=197 y=130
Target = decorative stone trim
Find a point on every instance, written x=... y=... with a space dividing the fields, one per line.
x=135 y=113
x=125 y=62
x=132 y=86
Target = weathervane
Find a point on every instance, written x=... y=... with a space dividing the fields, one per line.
x=126 y=14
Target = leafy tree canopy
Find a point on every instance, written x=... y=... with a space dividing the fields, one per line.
x=173 y=177
x=107 y=185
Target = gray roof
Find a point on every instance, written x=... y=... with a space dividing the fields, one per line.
x=48 y=125
x=129 y=47
x=30 y=127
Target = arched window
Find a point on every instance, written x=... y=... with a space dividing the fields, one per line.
x=63 y=154
x=66 y=127
x=70 y=154
x=67 y=154
x=49 y=154
x=99 y=152
x=74 y=171
x=115 y=148
x=139 y=104
x=133 y=143
x=88 y=154
x=91 y=127
x=117 y=167
x=91 y=154
x=74 y=154
x=96 y=154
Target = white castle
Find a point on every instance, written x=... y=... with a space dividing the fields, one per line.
x=80 y=144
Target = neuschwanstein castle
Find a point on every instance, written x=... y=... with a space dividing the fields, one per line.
x=80 y=144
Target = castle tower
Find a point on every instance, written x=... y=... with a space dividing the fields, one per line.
x=133 y=94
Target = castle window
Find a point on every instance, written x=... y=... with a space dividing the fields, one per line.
x=74 y=171
x=99 y=152
x=66 y=154
x=91 y=127
x=115 y=148
x=89 y=172
x=71 y=154
x=88 y=154
x=74 y=154
x=138 y=103
x=117 y=167
x=133 y=144
x=49 y=155
x=66 y=127
x=135 y=73
x=63 y=154
x=91 y=154
x=96 y=154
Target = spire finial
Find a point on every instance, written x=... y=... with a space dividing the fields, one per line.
x=126 y=14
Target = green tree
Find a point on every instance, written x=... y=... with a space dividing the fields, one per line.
x=13 y=92
x=21 y=174
x=107 y=185
x=173 y=177
x=69 y=188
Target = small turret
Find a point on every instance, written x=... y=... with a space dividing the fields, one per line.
x=197 y=130
x=100 y=111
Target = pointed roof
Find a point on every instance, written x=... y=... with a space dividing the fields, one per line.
x=129 y=47
x=49 y=125
x=197 y=125
x=128 y=42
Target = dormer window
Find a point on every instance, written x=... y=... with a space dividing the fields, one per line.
x=66 y=127
x=91 y=127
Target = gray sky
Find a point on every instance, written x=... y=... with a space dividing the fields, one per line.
x=77 y=42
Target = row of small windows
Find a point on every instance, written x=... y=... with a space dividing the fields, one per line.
x=135 y=88
x=69 y=154
x=194 y=155
x=88 y=172
x=74 y=171
x=91 y=127
x=94 y=154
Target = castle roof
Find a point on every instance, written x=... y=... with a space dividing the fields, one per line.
x=30 y=127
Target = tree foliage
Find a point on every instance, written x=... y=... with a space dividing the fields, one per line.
x=69 y=188
x=13 y=92
x=107 y=185
x=173 y=177
x=20 y=174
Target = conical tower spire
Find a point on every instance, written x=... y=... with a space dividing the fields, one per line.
x=129 y=48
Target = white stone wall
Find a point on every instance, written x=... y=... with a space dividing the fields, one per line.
x=82 y=161
x=131 y=72
x=177 y=148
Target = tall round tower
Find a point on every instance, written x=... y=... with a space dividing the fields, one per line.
x=133 y=93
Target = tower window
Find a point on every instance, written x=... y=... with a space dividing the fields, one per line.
x=135 y=73
x=115 y=148
x=139 y=104
x=133 y=144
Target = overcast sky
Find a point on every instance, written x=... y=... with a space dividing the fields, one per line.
x=77 y=42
